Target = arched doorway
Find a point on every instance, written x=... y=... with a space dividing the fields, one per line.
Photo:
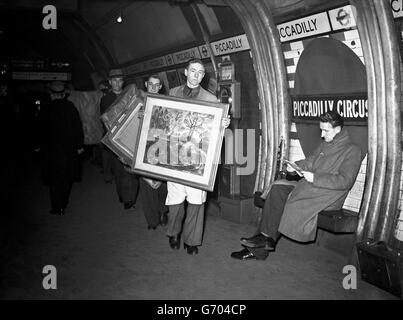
x=329 y=71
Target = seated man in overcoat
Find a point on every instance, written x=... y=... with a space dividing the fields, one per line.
x=292 y=209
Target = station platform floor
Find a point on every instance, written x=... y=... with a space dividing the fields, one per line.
x=101 y=251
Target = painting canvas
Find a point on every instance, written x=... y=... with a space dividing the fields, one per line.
x=122 y=136
x=180 y=140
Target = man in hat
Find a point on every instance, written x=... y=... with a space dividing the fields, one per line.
x=61 y=141
x=116 y=77
x=126 y=182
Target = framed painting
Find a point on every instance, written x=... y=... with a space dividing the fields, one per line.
x=122 y=136
x=180 y=140
x=126 y=99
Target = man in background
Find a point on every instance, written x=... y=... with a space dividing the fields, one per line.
x=126 y=182
x=153 y=193
x=62 y=142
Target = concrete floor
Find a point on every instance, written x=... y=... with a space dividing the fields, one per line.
x=101 y=251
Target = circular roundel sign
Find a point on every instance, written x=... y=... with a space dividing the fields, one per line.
x=343 y=17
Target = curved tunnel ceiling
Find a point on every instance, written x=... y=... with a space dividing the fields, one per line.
x=90 y=38
x=147 y=28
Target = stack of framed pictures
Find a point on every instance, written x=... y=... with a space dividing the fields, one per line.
x=123 y=132
x=125 y=101
x=174 y=139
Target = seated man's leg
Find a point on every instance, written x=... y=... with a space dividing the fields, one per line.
x=271 y=217
x=273 y=210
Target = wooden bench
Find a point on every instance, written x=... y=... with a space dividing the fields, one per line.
x=336 y=221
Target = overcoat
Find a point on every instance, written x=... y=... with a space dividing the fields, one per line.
x=335 y=166
x=61 y=137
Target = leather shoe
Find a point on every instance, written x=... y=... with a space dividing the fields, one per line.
x=191 y=249
x=244 y=254
x=174 y=241
x=259 y=241
x=164 y=219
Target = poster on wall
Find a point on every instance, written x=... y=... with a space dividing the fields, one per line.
x=209 y=81
x=181 y=74
x=165 y=83
x=173 y=79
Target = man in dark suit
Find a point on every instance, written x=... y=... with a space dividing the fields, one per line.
x=61 y=142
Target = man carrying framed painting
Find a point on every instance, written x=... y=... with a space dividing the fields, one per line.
x=153 y=193
x=192 y=228
x=126 y=182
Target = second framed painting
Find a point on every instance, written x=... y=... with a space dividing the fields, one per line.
x=122 y=136
x=180 y=140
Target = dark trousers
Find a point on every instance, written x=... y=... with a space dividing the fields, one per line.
x=192 y=231
x=127 y=184
x=273 y=209
x=60 y=181
x=152 y=202
x=59 y=187
x=107 y=162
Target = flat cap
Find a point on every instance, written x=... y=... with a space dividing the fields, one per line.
x=116 y=73
x=57 y=87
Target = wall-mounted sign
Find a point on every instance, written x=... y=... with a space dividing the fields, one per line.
x=230 y=45
x=304 y=27
x=204 y=52
x=169 y=59
x=186 y=55
x=342 y=18
x=134 y=68
x=397 y=8
x=47 y=76
x=154 y=63
x=25 y=64
x=352 y=107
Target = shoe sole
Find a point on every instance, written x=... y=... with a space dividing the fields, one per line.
x=253 y=245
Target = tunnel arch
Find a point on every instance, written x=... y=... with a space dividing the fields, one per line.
x=378 y=211
x=328 y=67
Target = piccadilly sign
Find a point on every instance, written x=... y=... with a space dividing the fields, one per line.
x=304 y=27
x=352 y=107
